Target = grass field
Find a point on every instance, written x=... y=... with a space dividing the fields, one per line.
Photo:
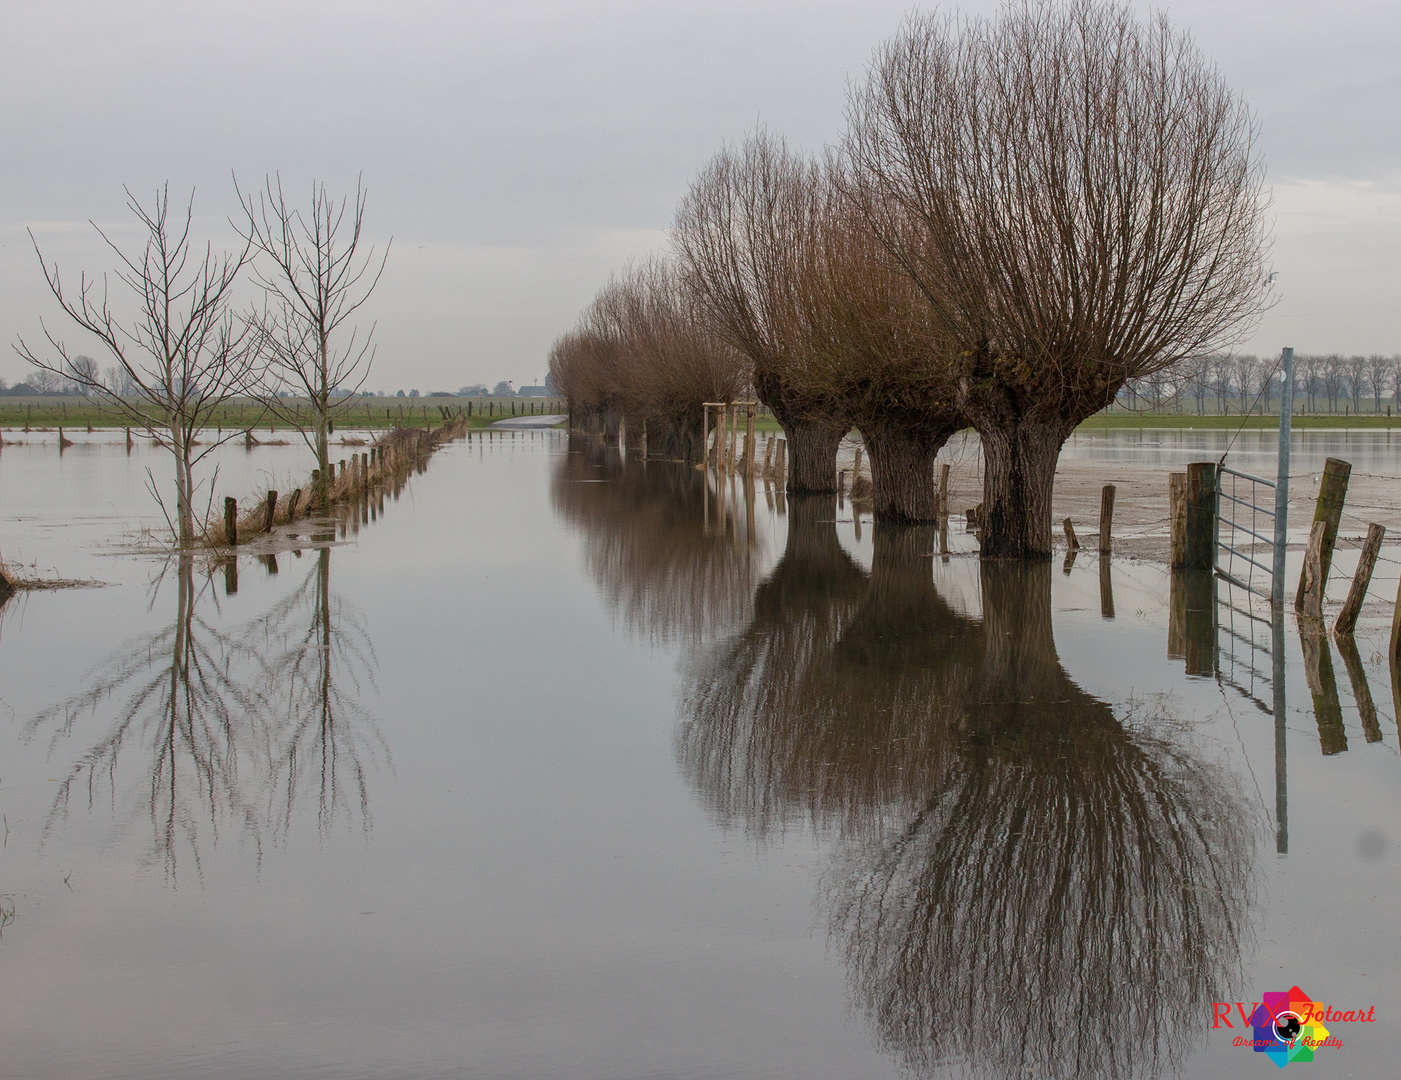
x=362 y=413
x=378 y=413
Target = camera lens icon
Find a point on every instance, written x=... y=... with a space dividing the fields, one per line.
x=1288 y=1025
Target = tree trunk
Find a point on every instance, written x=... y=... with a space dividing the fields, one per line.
x=812 y=457
x=1019 y=471
x=184 y=514
x=902 y=471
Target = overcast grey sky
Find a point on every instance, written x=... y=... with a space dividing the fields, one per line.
x=518 y=152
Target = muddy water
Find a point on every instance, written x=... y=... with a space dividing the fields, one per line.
x=575 y=767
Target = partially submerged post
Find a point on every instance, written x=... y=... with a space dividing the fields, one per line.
x=1281 y=537
x=1072 y=542
x=1106 y=518
x=749 y=440
x=272 y=510
x=1313 y=579
x=1347 y=618
x=1177 y=520
x=1332 y=492
x=1201 y=516
x=781 y=464
x=943 y=511
x=231 y=521
x=768 y=459
x=1395 y=650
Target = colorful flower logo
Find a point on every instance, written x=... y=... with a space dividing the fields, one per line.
x=1286 y=1028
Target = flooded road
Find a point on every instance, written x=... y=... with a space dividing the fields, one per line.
x=571 y=766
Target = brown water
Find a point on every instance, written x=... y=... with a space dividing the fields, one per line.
x=574 y=767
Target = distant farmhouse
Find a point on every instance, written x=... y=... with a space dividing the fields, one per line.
x=534 y=391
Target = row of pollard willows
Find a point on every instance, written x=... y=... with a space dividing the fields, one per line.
x=1109 y=225
x=388 y=463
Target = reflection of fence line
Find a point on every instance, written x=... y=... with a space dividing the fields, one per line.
x=1248 y=666
x=1243 y=674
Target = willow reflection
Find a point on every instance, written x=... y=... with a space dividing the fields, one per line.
x=216 y=730
x=830 y=705
x=1024 y=879
x=651 y=546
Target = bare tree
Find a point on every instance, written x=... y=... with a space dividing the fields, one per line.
x=84 y=374
x=182 y=350
x=642 y=355
x=1089 y=209
x=1247 y=372
x=871 y=343
x=1308 y=367
x=44 y=381
x=1355 y=379
x=1378 y=369
x=1334 y=379
x=315 y=276
x=739 y=234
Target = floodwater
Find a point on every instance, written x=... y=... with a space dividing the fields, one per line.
x=570 y=766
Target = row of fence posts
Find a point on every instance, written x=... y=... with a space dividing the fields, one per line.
x=1194 y=540
x=366 y=471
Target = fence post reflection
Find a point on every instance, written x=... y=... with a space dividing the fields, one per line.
x=1323 y=686
x=1193 y=621
x=1281 y=728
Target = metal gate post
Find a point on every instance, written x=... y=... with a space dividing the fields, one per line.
x=1286 y=412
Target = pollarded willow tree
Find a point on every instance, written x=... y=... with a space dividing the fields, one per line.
x=871 y=343
x=740 y=234
x=1087 y=206
x=642 y=357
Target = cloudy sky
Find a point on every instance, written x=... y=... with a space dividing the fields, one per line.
x=517 y=152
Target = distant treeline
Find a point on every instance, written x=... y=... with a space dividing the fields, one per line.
x=1242 y=383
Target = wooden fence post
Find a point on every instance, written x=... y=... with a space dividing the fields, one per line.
x=1332 y=492
x=1347 y=618
x=1201 y=516
x=1072 y=542
x=1106 y=518
x=231 y=520
x=1313 y=580
x=943 y=510
x=781 y=465
x=749 y=440
x=768 y=459
x=1395 y=650
x=272 y=510
x=1177 y=520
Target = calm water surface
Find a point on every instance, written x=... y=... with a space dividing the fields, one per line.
x=565 y=766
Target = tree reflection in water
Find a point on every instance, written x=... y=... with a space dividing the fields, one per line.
x=227 y=728
x=1024 y=880
x=321 y=659
x=656 y=542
